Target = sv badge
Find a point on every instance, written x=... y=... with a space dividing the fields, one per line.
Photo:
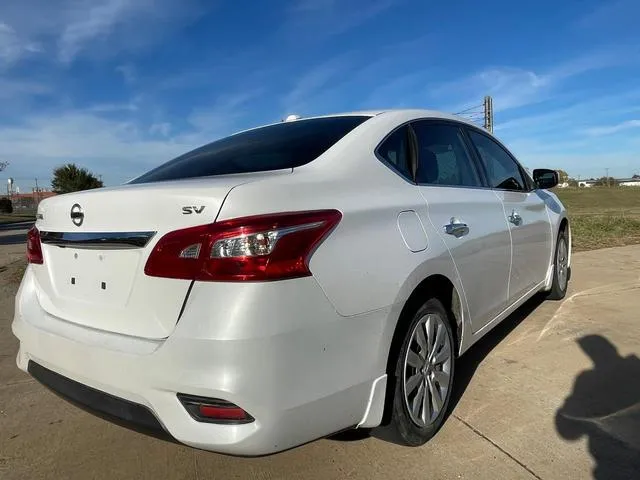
x=190 y=210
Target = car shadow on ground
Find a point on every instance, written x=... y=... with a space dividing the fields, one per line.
x=604 y=406
x=469 y=362
x=466 y=367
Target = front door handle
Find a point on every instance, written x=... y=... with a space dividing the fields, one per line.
x=456 y=228
x=515 y=218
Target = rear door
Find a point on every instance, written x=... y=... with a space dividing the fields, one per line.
x=525 y=213
x=469 y=217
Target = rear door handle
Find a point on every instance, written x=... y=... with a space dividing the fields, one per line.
x=456 y=228
x=515 y=218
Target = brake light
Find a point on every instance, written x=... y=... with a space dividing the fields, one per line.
x=34 y=247
x=258 y=248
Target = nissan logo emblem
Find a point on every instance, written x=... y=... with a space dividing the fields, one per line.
x=77 y=217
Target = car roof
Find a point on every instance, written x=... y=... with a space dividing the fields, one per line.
x=409 y=113
x=397 y=115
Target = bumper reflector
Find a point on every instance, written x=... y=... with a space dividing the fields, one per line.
x=213 y=410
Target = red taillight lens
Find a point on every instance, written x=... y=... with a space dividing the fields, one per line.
x=34 y=247
x=264 y=247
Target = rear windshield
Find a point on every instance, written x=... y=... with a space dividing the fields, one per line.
x=280 y=146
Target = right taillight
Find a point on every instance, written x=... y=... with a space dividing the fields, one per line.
x=258 y=248
x=34 y=247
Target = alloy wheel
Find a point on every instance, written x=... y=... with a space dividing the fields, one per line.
x=427 y=370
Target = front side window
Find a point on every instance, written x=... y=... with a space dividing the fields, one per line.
x=274 y=147
x=442 y=156
x=502 y=171
x=395 y=151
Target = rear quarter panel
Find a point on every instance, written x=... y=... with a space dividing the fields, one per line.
x=364 y=265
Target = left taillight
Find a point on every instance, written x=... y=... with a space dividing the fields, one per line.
x=258 y=248
x=34 y=247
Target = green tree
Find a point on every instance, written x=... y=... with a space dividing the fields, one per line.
x=606 y=182
x=71 y=178
x=5 y=205
x=564 y=176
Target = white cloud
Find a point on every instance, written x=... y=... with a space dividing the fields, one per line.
x=622 y=13
x=315 y=80
x=128 y=72
x=513 y=87
x=577 y=115
x=70 y=28
x=10 y=89
x=116 y=149
x=12 y=47
x=610 y=129
x=117 y=146
x=112 y=107
x=228 y=114
x=322 y=18
x=163 y=129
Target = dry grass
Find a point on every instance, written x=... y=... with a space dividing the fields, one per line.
x=603 y=217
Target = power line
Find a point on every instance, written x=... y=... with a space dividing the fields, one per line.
x=481 y=114
x=475 y=107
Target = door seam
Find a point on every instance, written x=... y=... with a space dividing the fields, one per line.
x=510 y=242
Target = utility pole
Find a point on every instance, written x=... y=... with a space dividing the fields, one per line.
x=607 y=176
x=488 y=114
x=37 y=193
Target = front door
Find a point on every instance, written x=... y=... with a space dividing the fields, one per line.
x=525 y=213
x=470 y=218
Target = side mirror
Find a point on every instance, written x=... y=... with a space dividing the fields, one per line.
x=545 y=178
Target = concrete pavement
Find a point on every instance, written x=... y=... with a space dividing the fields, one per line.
x=551 y=393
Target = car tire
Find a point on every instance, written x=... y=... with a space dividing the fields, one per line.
x=561 y=269
x=423 y=372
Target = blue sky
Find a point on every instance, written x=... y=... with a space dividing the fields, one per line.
x=120 y=86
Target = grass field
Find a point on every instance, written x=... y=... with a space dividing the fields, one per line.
x=603 y=217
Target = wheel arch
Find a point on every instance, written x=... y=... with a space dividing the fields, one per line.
x=565 y=225
x=435 y=285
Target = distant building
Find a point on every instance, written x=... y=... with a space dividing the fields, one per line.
x=30 y=200
x=629 y=182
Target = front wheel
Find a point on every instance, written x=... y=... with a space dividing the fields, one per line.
x=561 y=269
x=423 y=375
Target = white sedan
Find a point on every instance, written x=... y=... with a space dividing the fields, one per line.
x=290 y=281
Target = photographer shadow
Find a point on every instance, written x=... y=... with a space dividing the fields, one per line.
x=604 y=406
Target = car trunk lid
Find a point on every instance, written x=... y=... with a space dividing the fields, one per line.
x=96 y=243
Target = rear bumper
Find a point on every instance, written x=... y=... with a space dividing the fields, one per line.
x=296 y=366
x=114 y=409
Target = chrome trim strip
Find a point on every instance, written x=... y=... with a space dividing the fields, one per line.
x=104 y=240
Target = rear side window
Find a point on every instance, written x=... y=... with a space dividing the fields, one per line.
x=395 y=151
x=281 y=146
x=443 y=158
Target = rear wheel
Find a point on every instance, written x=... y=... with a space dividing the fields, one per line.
x=423 y=376
x=561 y=269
